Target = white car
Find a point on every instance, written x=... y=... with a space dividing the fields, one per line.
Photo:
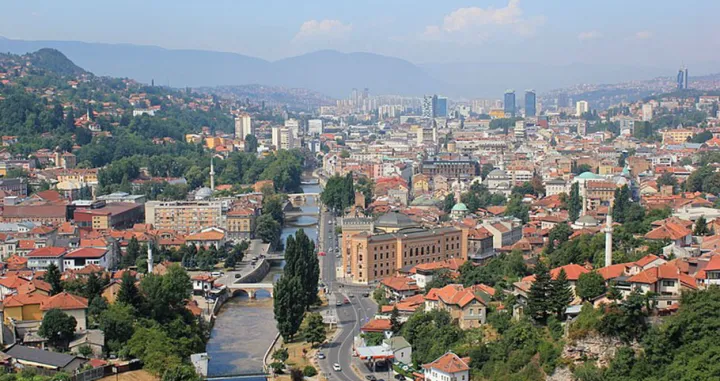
x=337 y=367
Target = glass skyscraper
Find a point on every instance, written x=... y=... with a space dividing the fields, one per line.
x=509 y=103
x=530 y=103
x=440 y=108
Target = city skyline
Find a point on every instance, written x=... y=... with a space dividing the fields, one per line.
x=454 y=31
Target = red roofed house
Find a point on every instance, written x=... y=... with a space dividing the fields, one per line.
x=202 y=283
x=206 y=238
x=10 y=285
x=79 y=258
x=711 y=273
x=72 y=305
x=676 y=233
x=466 y=306
x=573 y=272
x=40 y=259
x=665 y=280
x=449 y=367
x=377 y=325
x=399 y=287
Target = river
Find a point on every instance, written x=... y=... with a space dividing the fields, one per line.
x=244 y=328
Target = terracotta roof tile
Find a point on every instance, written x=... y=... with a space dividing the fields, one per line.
x=64 y=301
x=448 y=363
x=49 y=252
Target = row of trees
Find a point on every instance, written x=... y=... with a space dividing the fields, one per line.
x=297 y=289
x=339 y=193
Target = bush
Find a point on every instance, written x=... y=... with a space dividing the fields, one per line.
x=586 y=323
x=309 y=371
x=277 y=367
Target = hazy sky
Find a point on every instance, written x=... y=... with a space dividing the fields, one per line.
x=637 y=32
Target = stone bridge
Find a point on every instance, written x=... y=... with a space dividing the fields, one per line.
x=303 y=197
x=251 y=288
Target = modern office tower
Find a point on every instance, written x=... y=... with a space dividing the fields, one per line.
x=530 y=103
x=581 y=107
x=440 y=107
x=243 y=126
x=681 y=79
x=686 y=78
x=427 y=106
x=509 y=107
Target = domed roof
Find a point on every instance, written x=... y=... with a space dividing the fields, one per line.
x=460 y=207
x=203 y=193
x=586 y=220
x=394 y=220
x=588 y=176
x=497 y=173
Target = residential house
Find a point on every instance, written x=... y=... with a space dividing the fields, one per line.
x=202 y=283
x=93 y=338
x=72 y=305
x=449 y=367
x=28 y=357
x=466 y=306
x=10 y=285
x=206 y=238
x=666 y=281
x=79 y=258
x=40 y=259
x=23 y=308
x=399 y=287
x=401 y=349
x=673 y=232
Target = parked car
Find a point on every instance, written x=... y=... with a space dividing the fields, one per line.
x=400 y=377
x=346 y=301
x=338 y=303
x=238 y=276
x=337 y=367
x=365 y=294
x=216 y=273
x=321 y=355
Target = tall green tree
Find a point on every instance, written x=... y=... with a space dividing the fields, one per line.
x=701 y=227
x=574 y=202
x=621 y=204
x=288 y=306
x=448 y=203
x=539 y=302
x=395 y=320
x=117 y=322
x=52 y=276
x=251 y=143
x=129 y=293
x=560 y=293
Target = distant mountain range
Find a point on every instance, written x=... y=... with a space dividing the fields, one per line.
x=329 y=72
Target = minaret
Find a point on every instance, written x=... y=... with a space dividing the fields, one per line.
x=212 y=175
x=150 y=258
x=608 y=239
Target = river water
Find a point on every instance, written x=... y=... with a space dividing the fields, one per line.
x=244 y=328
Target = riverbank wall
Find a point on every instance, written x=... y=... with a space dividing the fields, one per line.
x=257 y=274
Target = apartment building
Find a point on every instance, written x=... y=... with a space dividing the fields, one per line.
x=184 y=216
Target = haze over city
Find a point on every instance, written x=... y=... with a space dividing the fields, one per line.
x=397 y=190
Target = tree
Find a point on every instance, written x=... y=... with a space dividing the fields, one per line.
x=85 y=351
x=574 y=202
x=667 y=179
x=251 y=143
x=281 y=354
x=485 y=169
x=613 y=292
x=117 y=324
x=394 y=320
x=154 y=348
x=314 y=332
x=701 y=227
x=539 y=302
x=93 y=287
x=560 y=293
x=58 y=328
x=128 y=293
x=268 y=230
x=627 y=321
x=131 y=253
x=516 y=208
x=181 y=373
x=52 y=276
x=449 y=203
x=621 y=204
x=296 y=374
x=590 y=285
x=288 y=306
x=309 y=371
x=558 y=235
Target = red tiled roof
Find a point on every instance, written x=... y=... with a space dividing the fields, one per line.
x=613 y=271
x=646 y=260
x=49 y=252
x=669 y=230
x=400 y=283
x=64 y=301
x=86 y=252
x=713 y=264
x=377 y=325
x=572 y=271
x=448 y=363
x=13 y=282
x=25 y=299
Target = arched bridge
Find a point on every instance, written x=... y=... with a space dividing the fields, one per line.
x=251 y=288
x=303 y=197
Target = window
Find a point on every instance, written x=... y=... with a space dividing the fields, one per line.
x=668 y=283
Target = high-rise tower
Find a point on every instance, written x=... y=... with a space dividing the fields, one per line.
x=509 y=103
x=530 y=103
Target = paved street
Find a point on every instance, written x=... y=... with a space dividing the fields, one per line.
x=351 y=316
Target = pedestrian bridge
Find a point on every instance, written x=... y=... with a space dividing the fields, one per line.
x=250 y=289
